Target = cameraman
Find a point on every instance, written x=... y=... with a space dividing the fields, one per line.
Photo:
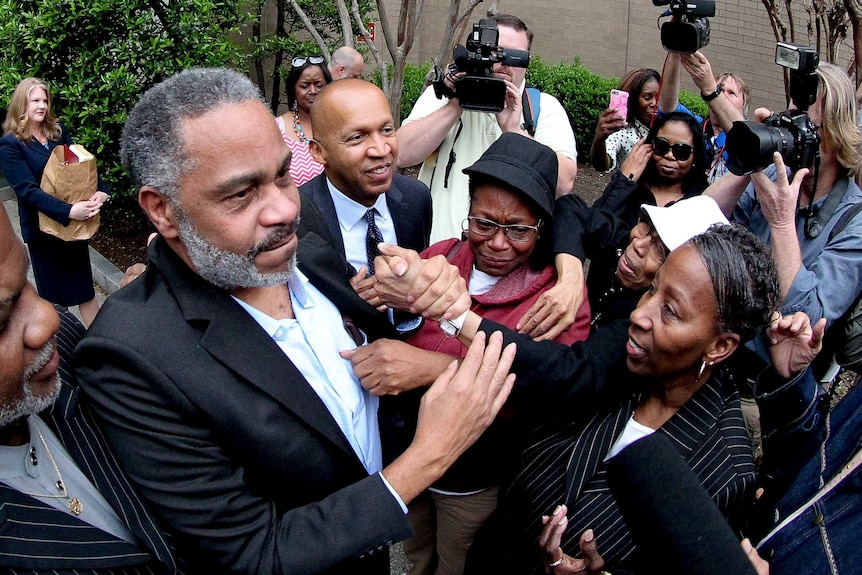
x=727 y=98
x=819 y=274
x=447 y=139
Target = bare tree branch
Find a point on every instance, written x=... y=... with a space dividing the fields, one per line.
x=306 y=21
x=375 y=53
x=344 y=17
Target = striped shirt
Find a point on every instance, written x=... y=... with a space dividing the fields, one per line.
x=303 y=166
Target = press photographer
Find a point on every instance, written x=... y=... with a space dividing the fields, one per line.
x=750 y=145
x=818 y=261
x=447 y=134
x=470 y=77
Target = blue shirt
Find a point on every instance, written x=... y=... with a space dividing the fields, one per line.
x=830 y=278
x=312 y=342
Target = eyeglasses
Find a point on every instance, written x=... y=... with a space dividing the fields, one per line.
x=515 y=232
x=301 y=60
x=681 y=151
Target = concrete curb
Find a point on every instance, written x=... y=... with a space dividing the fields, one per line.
x=106 y=275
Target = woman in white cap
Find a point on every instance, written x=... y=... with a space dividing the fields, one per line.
x=711 y=294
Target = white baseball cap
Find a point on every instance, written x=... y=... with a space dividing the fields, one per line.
x=682 y=220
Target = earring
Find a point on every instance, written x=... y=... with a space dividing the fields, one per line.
x=703 y=365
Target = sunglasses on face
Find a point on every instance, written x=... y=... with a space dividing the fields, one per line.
x=681 y=151
x=301 y=60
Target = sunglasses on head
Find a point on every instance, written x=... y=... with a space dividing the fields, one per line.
x=301 y=60
x=681 y=151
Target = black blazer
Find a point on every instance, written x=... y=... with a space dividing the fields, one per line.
x=38 y=538
x=409 y=202
x=223 y=435
x=22 y=164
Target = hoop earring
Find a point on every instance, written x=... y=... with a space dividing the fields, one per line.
x=703 y=365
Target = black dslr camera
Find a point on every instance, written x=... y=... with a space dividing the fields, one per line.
x=478 y=88
x=750 y=145
x=688 y=32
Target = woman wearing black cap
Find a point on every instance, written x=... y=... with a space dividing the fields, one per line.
x=504 y=257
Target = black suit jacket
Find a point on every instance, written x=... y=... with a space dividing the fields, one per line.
x=38 y=538
x=224 y=436
x=409 y=202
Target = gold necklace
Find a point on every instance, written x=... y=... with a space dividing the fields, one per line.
x=75 y=505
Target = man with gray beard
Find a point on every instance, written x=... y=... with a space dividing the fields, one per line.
x=217 y=376
x=66 y=504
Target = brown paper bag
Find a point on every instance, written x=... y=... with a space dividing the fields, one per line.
x=72 y=182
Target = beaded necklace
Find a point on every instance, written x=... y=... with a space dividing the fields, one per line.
x=297 y=127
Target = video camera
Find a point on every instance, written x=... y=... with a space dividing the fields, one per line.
x=750 y=145
x=688 y=32
x=478 y=89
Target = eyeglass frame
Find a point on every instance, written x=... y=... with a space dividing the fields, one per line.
x=300 y=61
x=673 y=148
x=465 y=226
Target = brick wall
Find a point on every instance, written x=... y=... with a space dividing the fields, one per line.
x=613 y=36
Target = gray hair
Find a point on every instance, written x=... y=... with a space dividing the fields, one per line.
x=152 y=147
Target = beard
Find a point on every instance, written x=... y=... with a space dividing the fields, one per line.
x=228 y=270
x=30 y=403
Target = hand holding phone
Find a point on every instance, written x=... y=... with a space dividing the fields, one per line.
x=620 y=102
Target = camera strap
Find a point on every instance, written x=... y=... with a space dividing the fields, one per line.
x=814 y=225
x=451 y=160
x=531 y=108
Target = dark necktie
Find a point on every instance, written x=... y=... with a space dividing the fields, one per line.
x=372 y=238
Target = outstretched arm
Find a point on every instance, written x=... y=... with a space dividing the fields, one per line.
x=699 y=69
x=671 y=76
x=778 y=201
x=454 y=412
x=419 y=137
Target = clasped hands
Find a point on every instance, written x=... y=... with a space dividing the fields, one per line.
x=432 y=288
x=86 y=209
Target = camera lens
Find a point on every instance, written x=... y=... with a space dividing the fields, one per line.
x=750 y=146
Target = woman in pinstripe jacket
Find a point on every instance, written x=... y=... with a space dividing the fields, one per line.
x=711 y=294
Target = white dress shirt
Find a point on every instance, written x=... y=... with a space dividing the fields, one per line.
x=351 y=220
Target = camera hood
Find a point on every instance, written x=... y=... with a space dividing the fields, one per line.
x=750 y=146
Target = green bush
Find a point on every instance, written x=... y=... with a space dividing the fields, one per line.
x=414 y=82
x=100 y=56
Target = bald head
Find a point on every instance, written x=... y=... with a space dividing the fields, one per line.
x=340 y=101
x=354 y=138
x=346 y=62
